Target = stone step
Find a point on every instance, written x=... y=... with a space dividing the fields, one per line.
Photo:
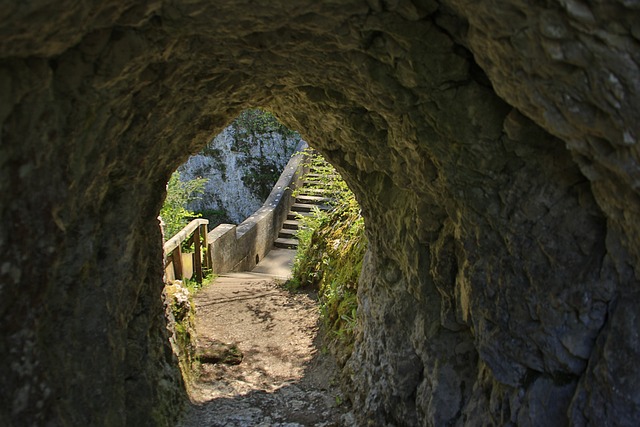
x=294 y=215
x=303 y=207
x=314 y=200
x=287 y=233
x=314 y=183
x=286 y=243
x=321 y=172
x=320 y=163
x=312 y=190
x=321 y=176
x=290 y=224
x=310 y=195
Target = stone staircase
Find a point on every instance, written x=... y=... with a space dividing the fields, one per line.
x=313 y=193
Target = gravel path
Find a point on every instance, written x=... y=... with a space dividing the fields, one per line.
x=282 y=378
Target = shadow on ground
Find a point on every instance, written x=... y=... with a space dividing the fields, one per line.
x=284 y=378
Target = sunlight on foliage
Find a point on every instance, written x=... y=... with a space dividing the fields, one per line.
x=331 y=249
x=174 y=212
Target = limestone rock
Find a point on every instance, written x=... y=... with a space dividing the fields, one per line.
x=241 y=166
x=219 y=352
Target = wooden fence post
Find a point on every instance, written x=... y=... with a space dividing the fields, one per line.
x=205 y=245
x=176 y=257
x=197 y=255
x=195 y=229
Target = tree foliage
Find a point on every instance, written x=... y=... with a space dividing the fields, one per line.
x=174 y=212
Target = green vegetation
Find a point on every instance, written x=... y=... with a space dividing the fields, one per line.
x=193 y=286
x=216 y=155
x=174 y=212
x=331 y=249
x=261 y=176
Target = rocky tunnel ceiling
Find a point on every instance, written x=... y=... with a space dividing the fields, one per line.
x=492 y=146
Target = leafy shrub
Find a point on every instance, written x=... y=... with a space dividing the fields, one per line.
x=330 y=252
x=174 y=212
x=256 y=121
x=261 y=176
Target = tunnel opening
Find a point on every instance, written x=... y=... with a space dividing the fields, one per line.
x=227 y=181
x=241 y=165
x=215 y=359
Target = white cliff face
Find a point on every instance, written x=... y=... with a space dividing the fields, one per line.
x=242 y=164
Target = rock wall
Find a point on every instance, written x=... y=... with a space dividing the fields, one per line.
x=241 y=165
x=492 y=146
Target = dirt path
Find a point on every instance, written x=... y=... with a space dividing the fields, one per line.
x=283 y=378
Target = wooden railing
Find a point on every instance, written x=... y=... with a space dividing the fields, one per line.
x=194 y=233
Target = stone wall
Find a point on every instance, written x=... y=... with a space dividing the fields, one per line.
x=492 y=146
x=242 y=247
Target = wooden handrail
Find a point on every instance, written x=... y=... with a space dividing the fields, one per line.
x=197 y=227
x=183 y=234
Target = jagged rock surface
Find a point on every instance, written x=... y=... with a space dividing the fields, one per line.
x=238 y=177
x=492 y=146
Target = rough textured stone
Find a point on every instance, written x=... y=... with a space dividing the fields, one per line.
x=492 y=146
x=241 y=166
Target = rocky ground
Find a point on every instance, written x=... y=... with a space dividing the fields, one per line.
x=265 y=364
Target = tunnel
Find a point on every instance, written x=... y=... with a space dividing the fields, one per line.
x=492 y=146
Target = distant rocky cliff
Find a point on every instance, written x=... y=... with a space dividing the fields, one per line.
x=242 y=163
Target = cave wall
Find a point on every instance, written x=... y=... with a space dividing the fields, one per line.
x=492 y=146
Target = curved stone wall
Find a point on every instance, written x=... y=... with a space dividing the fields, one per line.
x=242 y=247
x=492 y=146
